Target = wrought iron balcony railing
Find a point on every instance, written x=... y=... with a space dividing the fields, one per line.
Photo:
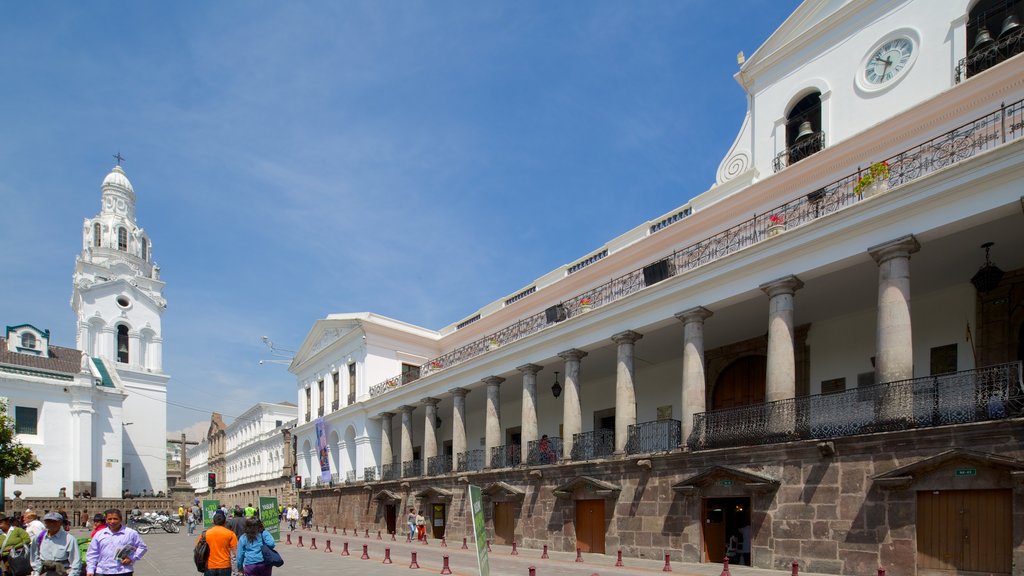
x=308 y=416
x=389 y=471
x=350 y=476
x=593 y=445
x=1006 y=46
x=990 y=393
x=471 y=461
x=351 y=399
x=1003 y=125
x=307 y=482
x=412 y=468
x=335 y=478
x=506 y=456
x=370 y=474
x=320 y=411
x=438 y=465
x=799 y=150
x=657 y=436
x=334 y=405
x=544 y=451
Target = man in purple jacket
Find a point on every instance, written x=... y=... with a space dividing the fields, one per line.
x=114 y=549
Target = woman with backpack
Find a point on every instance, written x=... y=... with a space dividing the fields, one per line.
x=250 y=559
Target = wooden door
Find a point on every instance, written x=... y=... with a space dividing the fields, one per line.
x=961 y=531
x=504 y=523
x=437 y=520
x=390 y=517
x=590 y=526
x=713 y=528
x=742 y=383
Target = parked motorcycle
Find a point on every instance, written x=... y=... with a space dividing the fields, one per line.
x=146 y=523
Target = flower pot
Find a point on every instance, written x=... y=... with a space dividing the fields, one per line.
x=775 y=229
x=879 y=186
x=585 y=307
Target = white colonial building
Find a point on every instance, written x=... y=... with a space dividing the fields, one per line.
x=817 y=347
x=251 y=457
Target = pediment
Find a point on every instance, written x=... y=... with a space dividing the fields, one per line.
x=587 y=486
x=432 y=493
x=905 y=475
x=503 y=490
x=749 y=480
x=387 y=496
x=323 y=334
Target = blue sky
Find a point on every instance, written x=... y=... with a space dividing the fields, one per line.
x=291 y=160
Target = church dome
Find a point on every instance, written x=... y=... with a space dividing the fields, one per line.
x=117 y=178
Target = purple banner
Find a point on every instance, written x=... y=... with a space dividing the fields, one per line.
x=322 y=450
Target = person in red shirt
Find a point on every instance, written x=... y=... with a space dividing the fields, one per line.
x=222 y=543
x=98 y=523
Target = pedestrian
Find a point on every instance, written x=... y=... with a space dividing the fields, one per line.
x=293 y=517
x=99 y=522
x=33 y=526
x=250 y=511
x=421 y=527
x=16 y=542
x=745 y=545
x=250 y=549
x=115 y=549
x=181 y=515
x=56 y=553
x=309 y=519
x=411 y=521
x=237 y=524
x=222 y=543
x=304 y=514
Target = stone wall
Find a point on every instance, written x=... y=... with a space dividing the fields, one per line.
x=78 y=509
x=829 y=511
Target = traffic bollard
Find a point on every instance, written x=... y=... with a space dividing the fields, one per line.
x=445 y=569
x=328 y=548
x=725 y=567
x=796 y=568
x=668 y=565
x=378 y=535
x=300 y=541
x=335 y=529
x=444 y=543
x=579 y=557
x=413 y=563
x=533 y=571
x=618 y=558
x=367 y=535
x=488 y=545
x=881 y=571
x=312 y=545
x=387 y=556
x=514 y=551
x=544 y=556
x=464 y=546
x=392 y=536
x=289 y=540
x=344 y=549
x=366 y=555
x=344 y=531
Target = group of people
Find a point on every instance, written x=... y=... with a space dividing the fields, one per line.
x=417 y=525
x=46 y=548
x=239 y=542
x=293 y=515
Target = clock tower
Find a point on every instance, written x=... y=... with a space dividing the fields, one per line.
x=118 y=299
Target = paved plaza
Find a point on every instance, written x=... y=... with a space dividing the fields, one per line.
x=171 y=554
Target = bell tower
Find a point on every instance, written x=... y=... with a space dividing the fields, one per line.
x=117 y=297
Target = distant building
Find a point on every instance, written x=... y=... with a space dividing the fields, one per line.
x=815 y=351
x=253 y=456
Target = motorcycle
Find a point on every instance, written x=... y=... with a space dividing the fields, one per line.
x=146 y=523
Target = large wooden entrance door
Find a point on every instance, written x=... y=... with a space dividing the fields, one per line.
x=390 y=517
x=504 y=523
x=741 y=383
x=726 y=520
x=964 y=531
x=590 y=526
x=437 y=520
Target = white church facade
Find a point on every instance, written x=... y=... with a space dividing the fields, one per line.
x=822 y=350
x=101 y=408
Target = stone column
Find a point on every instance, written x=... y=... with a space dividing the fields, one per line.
x=781 y=384
x=571 y=414
x=529 y=433
x=492 y=432
x=386 y=456
x=458 y=422
x=429 y=430
x=107 y=343
x=894 y=353
x=694 y=377
x=625 y=387
x=406 y=433
x=134 y=348
x=155 y=359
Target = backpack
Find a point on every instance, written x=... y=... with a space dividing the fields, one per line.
x=201 y=553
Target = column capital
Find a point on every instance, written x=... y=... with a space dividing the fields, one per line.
x=407 y=409
x=384 y=415
x=457 y=392
x=493 y=380
x=626 y=337
x=695 y=314
x=529 y=368
x=900 y=247
x=431 y=401
x=785 y=285
x=572 y=354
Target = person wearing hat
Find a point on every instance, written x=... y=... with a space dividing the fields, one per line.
x=115 y=549
x=98 y=523
x=56 y=554
x=33 y=526
x=222 y=543
x=14 y=539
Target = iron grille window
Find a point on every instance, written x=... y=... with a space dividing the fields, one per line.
x=26 y=420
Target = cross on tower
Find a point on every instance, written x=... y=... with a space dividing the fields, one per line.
x=119 y=157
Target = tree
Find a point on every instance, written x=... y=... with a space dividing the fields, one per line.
x=15 y=459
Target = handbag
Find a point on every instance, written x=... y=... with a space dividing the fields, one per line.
x=271 y=557
x=19 y=563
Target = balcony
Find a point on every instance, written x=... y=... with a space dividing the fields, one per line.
x=593 y=445
x=370 y=474
x=308 y=416
x=438 y=465
x=334 y=405
x=799 y=150
x=389 y=471
x=657 y=436
x=412 y=468
x=990 y=393
x=335 y=479
x=351 y=398
x=544 y=451
x=350 y=476
x=986 y=54
x=320 y=411
x=471 y=461
x=506 y=456
x=307 y=482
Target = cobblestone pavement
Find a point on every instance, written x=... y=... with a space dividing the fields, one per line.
x=171 y=555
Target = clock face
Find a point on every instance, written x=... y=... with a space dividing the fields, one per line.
x=888 y=61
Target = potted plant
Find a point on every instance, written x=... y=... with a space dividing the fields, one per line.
x=492 y=343
x=875 y=181
x=775 y=225
x=436 y=365
x=586 y=304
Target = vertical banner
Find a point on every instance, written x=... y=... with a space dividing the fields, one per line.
x=210 y=508
x=270 y=516
x=321 y=450
x=479 y=531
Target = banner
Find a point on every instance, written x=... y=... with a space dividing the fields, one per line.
x=322 y=451
x=210 y=508
x=479 y=531
x=270 y=516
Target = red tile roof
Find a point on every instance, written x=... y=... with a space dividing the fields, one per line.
x=65 y=360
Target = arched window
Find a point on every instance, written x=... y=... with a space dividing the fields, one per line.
x=122 y=343
x=994 y=33
x=122 y=239
x=97 y=235
x=145 y=248
x=803 y=128
x=28 y=340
